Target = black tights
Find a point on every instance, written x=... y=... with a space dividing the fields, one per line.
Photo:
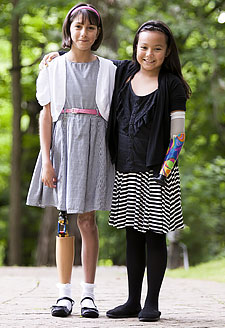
x=137 y=244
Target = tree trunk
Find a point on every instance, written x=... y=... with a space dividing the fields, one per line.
x=175 y=259
x=15 y=182
x=46 y=240
x=175 y=251
x=48 y=231
x=110 y=12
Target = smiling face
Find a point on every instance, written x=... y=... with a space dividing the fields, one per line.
x=151 y=50
x=83 y=34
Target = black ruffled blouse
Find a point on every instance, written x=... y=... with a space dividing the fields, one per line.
x=134 y=119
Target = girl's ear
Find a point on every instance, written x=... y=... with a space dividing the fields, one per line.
x=98 y=32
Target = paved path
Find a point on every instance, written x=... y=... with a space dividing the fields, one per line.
x=26 y=295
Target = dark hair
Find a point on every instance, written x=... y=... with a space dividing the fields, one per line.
x=171 y=62
x=90 y=15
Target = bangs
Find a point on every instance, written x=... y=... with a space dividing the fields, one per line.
x=157 y=29
x=86 y=15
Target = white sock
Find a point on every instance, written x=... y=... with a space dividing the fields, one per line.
x=64 y=291
x=88 y=291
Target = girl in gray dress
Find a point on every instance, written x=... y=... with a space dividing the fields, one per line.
x=73 y=172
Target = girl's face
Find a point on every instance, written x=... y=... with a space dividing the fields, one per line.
x=83 y=34
x=151 y=50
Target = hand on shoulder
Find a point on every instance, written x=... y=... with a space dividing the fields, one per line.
x=47 y=59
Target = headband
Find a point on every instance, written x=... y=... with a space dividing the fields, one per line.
x=154 y=27
x=87 y=8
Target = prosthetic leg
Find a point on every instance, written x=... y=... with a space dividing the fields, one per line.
x=64 y=262
x=64 y=250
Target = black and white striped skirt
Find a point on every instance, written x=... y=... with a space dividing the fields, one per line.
x=141 y=203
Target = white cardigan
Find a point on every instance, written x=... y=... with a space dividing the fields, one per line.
x=51 y=86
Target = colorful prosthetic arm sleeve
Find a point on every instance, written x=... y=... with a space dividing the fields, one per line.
x=177 y=140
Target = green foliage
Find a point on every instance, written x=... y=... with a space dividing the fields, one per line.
x=4 y=213
x=112 y=242
x=204 y=210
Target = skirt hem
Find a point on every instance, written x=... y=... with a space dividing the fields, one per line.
x=76 y=211
x=145 y=230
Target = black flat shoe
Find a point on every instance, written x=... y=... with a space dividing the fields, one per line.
x=149 y=315
x=61 y=311
x=87 y=312
x=123 y=311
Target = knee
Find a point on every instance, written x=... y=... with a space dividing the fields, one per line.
x=156 y=240
x=86 y=222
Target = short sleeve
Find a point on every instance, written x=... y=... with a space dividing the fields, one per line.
x=177 y=95
x=43 y=89
x=119 y=63
x=62 y=52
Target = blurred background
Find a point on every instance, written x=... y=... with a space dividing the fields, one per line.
x=31 y=28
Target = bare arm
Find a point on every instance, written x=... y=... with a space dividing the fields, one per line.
x=45 y=124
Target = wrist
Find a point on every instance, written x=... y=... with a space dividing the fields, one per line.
x=160 y=179
x=46 y=163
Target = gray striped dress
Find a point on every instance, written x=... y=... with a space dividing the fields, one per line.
x=79 y=153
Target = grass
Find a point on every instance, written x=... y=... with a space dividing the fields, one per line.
x=213 y=270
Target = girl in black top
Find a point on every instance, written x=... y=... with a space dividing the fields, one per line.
x=145 y=136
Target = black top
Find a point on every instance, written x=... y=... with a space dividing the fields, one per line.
x=134 y=120
x=138 y=131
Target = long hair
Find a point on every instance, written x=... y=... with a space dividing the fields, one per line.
x=91 y=16
x=171 y=62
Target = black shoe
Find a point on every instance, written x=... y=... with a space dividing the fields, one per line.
x=149 y=315
x=87 y=312
x=123 y=311
x=61 y=311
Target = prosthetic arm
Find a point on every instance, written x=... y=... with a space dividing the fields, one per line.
x=177 y=135
x=64 y=250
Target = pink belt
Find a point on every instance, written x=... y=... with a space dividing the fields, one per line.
x=81 y=111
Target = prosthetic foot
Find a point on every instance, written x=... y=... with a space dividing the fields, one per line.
x=64 y=250
x=64 y=262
